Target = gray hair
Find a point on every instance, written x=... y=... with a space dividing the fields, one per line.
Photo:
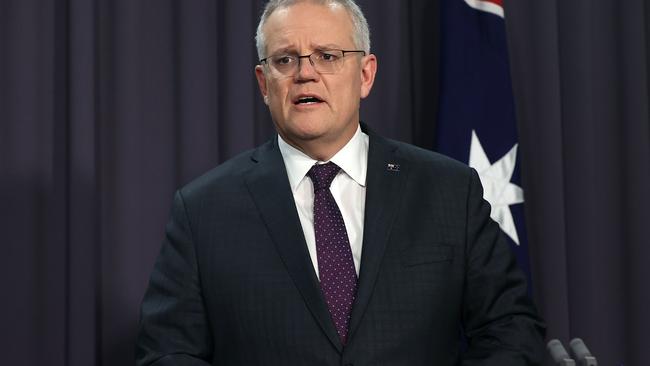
x=361 y=36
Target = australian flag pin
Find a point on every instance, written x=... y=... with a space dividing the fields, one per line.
x=392 y=167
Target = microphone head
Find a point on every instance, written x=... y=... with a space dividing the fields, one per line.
x=557 y=351
x=580 y=350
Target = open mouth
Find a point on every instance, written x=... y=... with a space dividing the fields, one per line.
x=307 y=101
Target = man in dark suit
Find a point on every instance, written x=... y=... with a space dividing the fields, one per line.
x=330 y=245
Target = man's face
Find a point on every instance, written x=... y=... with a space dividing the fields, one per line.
x=301 y=29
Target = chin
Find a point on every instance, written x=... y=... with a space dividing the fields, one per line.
x=307 y=129
x=306 y=135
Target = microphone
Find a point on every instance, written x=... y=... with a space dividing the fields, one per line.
x=581 y=353
x=559 y=353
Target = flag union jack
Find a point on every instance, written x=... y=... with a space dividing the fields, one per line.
x=490 y=6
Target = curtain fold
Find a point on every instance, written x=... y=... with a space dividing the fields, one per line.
x=580 y=71
x=108 y=106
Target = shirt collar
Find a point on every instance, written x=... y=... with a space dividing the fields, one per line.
x=352 y=159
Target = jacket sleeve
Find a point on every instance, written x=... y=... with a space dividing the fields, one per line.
x=174 y=328
x=499 y=319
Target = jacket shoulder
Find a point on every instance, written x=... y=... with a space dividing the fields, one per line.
x=225 y=177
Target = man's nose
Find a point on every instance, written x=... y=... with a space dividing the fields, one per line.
x=306 y=70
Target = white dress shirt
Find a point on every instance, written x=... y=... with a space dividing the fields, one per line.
x=348 y=189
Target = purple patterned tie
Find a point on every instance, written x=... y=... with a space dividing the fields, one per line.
x=338 y=279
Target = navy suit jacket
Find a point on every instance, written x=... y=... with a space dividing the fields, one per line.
x=234 y=283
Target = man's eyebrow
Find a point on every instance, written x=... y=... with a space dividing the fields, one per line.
x=327 y=46
x=293 y=49
x=285 y=49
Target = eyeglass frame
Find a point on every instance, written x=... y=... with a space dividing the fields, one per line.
x=299 y=57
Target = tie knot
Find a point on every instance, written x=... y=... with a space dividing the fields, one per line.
x=322 y=175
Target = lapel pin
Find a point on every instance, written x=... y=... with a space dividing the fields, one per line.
x=392 y=167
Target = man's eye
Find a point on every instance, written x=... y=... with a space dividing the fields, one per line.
x=329 y=57
x=283 y=60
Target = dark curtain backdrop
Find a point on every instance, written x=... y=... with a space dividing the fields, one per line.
x=581 y=79
x=106 y=107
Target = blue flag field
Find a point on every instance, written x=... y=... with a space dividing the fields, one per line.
x=477 y=123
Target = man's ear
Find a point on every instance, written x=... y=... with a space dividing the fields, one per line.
x=261 y=82
x=368 y=71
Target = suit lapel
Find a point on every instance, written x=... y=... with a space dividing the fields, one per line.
x=269 y=186
x=387 y=174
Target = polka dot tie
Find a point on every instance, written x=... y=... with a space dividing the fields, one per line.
x=338 y=279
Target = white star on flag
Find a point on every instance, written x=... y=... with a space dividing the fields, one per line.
x=497 y=188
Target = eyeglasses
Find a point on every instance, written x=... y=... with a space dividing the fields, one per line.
x=323 y=61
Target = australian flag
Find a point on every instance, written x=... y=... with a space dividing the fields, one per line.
x=476 y=121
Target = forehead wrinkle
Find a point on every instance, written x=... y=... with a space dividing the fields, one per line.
x=300 y=41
